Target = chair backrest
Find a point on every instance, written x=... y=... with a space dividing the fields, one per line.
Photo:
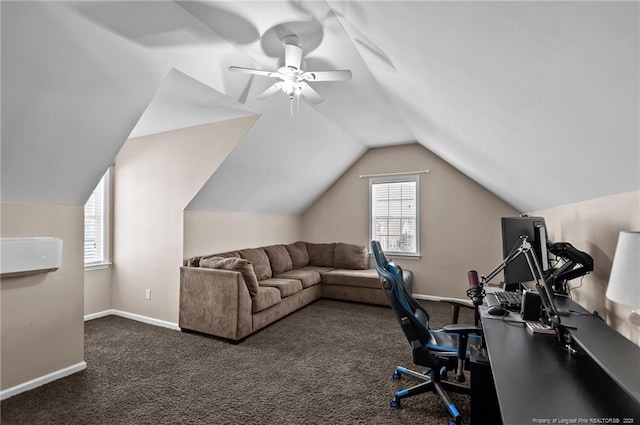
x=402 y=302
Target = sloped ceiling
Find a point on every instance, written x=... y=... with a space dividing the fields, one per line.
x=66 y=109
x=282 y=168
x=537 y=101
x=183 y=102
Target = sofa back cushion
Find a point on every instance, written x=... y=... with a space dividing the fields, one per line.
x=195 y=261
x=348 y=256
x=279 y=259
x=228 y=254
x=298 y=253
x=260 y=262
x=320 y=254
x=235 y=264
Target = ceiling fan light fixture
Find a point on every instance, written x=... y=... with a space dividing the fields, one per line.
x=293 y=76
x=291 y=88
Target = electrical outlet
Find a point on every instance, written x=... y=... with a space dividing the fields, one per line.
x=147 y=294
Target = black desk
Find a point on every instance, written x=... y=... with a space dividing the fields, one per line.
x=536 y=379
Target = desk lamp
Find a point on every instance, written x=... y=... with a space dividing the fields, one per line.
x=624 y=281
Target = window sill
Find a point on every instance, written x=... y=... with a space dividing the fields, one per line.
x=391 y=255
x=100 y=266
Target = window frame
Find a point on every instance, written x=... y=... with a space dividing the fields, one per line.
x=397 y=179
x=105 y=261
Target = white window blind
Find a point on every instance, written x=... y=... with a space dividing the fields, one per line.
x=394 y=214
x=96 y=228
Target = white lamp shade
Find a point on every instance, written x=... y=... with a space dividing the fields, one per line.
x=624 y=282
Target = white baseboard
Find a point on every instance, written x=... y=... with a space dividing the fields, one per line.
x=133 y=316
x=45 y=379
x=146 y=319
x=99 y=314
x=466 y=303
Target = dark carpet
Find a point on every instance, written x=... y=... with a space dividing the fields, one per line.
x=328 y=363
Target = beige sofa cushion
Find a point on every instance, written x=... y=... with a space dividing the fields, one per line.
x=228 y=254
x=360 y=278
x=235 y=264
x=321 y=270
x=348 y=256
x=260 y=261
x=279 y=259
x=307 y=277
x=298 y=253
x=265 y=298
x=320 y=254
x=287 y=287
x=195 y=261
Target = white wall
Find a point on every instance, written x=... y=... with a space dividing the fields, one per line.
x=210 y=232
x=593 y=226
x=98 y=290
x=459 y=219
x=155 y=178
x=42 y=314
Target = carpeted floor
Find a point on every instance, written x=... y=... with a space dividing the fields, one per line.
x=329 y=363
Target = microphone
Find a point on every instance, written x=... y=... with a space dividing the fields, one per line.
x=475 y=291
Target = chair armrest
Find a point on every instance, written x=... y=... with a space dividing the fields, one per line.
x=463 y=332
x=455 y=304
x=461 y=328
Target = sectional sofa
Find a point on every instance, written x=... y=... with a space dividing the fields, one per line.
x=233 y=294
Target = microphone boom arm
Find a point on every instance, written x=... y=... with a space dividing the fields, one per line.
x=524 y=247
x=553 y=315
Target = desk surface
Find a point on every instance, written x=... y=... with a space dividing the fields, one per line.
x=537 y=379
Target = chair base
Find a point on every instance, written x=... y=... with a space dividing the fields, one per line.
x=430 y=383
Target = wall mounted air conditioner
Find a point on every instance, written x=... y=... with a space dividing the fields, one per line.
x=25 y=256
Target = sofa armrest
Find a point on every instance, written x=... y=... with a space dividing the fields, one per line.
x=215 y=302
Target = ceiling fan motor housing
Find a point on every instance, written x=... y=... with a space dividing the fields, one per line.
x=292 y=75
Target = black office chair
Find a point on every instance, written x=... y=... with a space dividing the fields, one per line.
x=438 y=350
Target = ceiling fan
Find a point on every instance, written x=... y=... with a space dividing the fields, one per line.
x=293 y=77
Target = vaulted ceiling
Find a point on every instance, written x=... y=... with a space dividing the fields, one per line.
x=536 y=101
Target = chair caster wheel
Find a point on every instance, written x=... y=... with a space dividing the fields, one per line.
x=395 y=376
x=395 y=404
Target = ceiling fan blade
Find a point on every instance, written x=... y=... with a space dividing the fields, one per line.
x=310 y=93
x=271 y=90
x=245 y=92
x=253 y=71
x=292 y=56
x=340 y=75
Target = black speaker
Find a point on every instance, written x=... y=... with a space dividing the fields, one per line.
x=530 y=307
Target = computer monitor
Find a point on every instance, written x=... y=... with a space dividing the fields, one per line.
x=535 y=229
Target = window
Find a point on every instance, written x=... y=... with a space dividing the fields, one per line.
x=96 y=226
x=394 y=214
